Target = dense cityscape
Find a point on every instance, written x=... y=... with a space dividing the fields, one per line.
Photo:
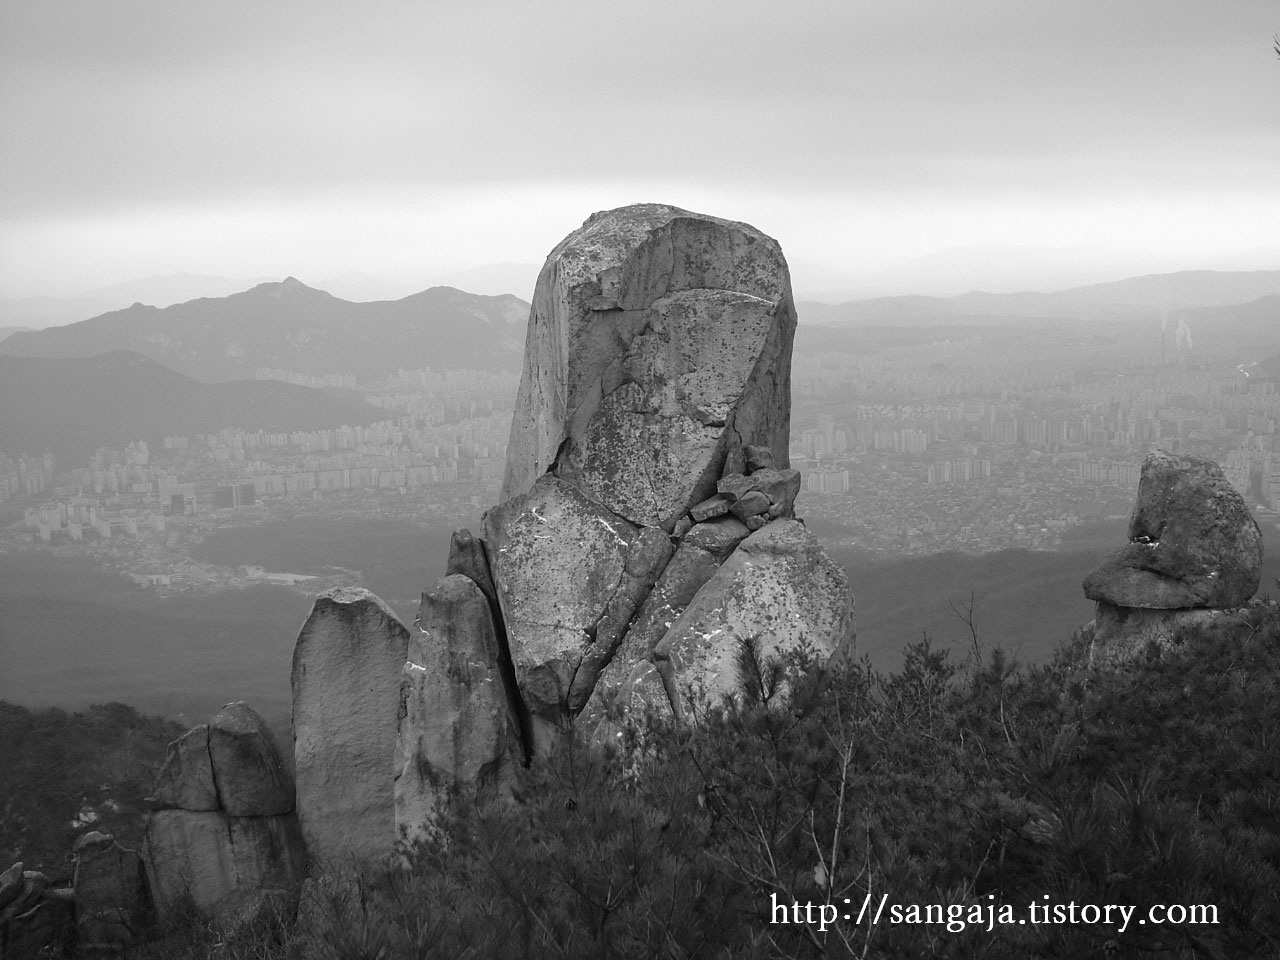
x=972 y=441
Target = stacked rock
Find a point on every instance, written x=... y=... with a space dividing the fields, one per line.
x=222 y=832
x=1194 y=558
x=36 y=918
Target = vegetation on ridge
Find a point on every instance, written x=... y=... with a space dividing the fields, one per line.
x=977 y=785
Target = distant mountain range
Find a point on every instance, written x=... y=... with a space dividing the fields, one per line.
x=291 y=326
x=6 y=332
x=1133 y=296
x=69 y=407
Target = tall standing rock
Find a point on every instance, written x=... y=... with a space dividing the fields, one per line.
x=458 y=729
x=347 y=666
x=659 y=344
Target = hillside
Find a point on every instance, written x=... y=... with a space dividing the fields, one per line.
x=72 y=406
x=291 y=326
x=1136 y=296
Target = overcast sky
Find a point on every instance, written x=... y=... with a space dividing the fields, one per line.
x=407 y=140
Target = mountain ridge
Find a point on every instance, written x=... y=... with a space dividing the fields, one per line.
x=71 y=406
x=288 y=325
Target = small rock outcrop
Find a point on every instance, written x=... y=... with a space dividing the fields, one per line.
x=248 y=844
x=347 y=666
x=1192 y=542
x=37 y=919
x=1194 y=558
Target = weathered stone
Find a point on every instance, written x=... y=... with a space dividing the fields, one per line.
x=659 y=344
x=1193 y=541
x=751 y=504
x=1120 y=634
x=715 y=506
x=466 y=556
x=10 y=884
x=347 y=667
x=779 y=587
x=682 y=526
x=779 y=486
x=557 y=559
x=757 y=458
x=185 y=782
x=209 y=856
x=719 y=537
x=646 y=560
x=756 y=522
x=458 y=729
x=630 y=676
x=38 y=922
x=250 y=777
x=111 y=887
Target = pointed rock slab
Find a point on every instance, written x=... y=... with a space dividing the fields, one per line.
x=557 y=559
x=185 y=782
x=1193 y=541
x=250 y=776
x=649 y=554
x=347 y=666
x=210 y=856
x=659 y=343
x=779 y=586
x=631 y=675
x=457 y=729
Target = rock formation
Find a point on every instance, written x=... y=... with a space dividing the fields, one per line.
x=646 y=530
x=114 y=901
x=1194 y=557
x=652 y=422
x=36 y=918
x=347 y=666
x=458 y=727
x=239 y=838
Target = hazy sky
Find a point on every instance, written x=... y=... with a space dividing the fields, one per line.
x=409 y=139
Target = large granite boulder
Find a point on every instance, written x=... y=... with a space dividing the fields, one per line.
x=458 y=728
x=779 y=588
x=1192 y=542
x=347 y=666
x=659 y=344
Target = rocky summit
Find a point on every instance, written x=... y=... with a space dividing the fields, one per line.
x=646 y=536
x=655 y=401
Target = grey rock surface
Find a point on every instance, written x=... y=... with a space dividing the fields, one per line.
x=347 y=667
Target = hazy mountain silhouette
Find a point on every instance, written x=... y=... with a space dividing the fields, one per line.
x=291 y=326
x=6 y=332
x=1132 y=296
x=72 y=406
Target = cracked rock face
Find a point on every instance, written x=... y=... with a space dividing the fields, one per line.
x=659 y=345
x=222 y=822
x=780 y=587
x=1192 y=542
x=457 y=730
